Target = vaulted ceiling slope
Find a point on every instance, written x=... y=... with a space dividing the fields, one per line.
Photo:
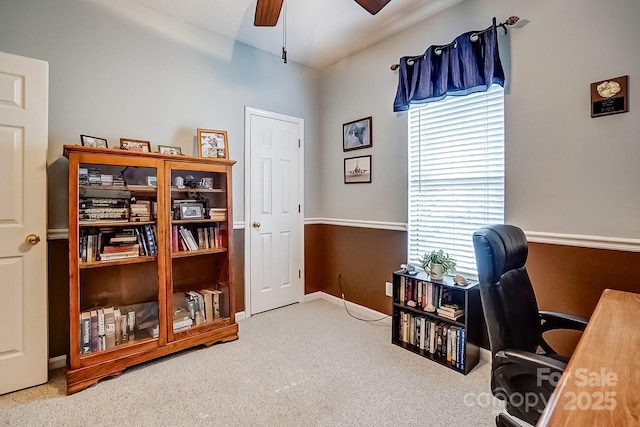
x=319 y=33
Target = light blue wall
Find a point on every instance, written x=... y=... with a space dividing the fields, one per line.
x=565 y=171
x=124 y=72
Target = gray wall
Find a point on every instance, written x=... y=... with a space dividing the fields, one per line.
x=565 y=171
x=131 y=72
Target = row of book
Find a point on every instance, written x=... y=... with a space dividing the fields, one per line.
x=109 y=243
x=430 y=297
x=439 y=338
x=116 y=209
x=197 y=238
x=194 y=308
x=103 y=328
x=94 y=177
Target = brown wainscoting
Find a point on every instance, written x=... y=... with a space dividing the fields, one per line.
x=571 y=279
x=58 y=278
x=365 y=257
x=565 y=278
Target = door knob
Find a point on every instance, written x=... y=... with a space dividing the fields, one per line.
x=32 y=239
x=256 y=224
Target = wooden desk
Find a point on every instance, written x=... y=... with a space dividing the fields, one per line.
x=601 y=385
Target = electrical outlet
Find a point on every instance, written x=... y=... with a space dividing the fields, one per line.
x=389 y=289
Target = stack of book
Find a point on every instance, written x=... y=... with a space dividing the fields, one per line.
x=140 y=211
x=218 y=214
x=103 y=209
x=450 y=311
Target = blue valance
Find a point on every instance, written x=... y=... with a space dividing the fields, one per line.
x=471 y=63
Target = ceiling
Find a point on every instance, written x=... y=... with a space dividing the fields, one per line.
x=319 y=33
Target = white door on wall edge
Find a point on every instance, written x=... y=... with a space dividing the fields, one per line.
x=274 y=225
x=24 y=85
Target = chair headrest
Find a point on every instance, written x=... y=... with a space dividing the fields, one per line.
x=499 y=248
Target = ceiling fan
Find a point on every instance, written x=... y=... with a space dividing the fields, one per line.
x=268 y=11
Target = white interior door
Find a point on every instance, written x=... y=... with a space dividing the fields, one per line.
x=23 y=185
x=274 y=215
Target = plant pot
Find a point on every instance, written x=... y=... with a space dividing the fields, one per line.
x=436 y=272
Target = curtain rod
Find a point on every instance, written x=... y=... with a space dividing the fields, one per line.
x=512 y=20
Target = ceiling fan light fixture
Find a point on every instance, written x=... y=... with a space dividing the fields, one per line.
x=373 y=6
x=267 y=13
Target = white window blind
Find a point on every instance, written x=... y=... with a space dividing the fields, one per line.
x=456 y=174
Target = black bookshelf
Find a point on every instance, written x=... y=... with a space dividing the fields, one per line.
x=467 y=328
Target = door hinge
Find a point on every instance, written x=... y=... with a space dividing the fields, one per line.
x=299 y=211
x=299 y=143
x=299 y=274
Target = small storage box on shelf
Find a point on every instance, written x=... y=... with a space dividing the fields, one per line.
x=149 y=262
x=437 y=319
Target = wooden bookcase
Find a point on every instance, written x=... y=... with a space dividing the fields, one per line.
x=415 y=297
x=141 y=286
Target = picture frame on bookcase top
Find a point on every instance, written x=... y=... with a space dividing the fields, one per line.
x=213 y=144
x=135 y=145
x=93 y=141
x=168 y=149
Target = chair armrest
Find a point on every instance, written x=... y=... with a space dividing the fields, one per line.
x=553 y=320
x=531 y=359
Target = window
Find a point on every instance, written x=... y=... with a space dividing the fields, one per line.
x=456 y=174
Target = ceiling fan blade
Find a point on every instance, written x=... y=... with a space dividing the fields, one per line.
x=267 y=13
x=373 y=6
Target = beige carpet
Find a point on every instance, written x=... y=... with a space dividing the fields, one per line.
x=303 y=365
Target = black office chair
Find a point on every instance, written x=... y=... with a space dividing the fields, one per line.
x=524 y=367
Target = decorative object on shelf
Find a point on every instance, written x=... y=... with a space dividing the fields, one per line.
x=178 y=182
x=438 y=263
x=459 y=280
x=167 y=149
x=206 y=183
x=135 y=145
x=191 y=211
x=93 y=141
x=152 y=181
x=610 y=96
x=357 y=170
x=357 y=134
x=212 y=143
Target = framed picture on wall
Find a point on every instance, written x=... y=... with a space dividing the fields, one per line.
x=357 y=170
x=357 y=134
x=213 y=143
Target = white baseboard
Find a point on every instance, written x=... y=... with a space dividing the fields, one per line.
x=57 y=362
x=241 y=315
x=353 y=308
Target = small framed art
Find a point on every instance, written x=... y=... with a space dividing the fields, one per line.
x=191 y=211
x=357 y=170
x=167 y=149
x=357 y=134
x=213 y=143
x=93 y=141
x=135 y=145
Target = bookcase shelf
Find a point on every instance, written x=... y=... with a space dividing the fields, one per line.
x=110 y=263
x=183 y=254
x=131 y=279
x=417 y=326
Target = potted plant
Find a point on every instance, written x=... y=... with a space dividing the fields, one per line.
x=438 y=263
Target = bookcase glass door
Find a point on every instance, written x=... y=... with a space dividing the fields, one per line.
x=117 y=256
x=199 y=238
